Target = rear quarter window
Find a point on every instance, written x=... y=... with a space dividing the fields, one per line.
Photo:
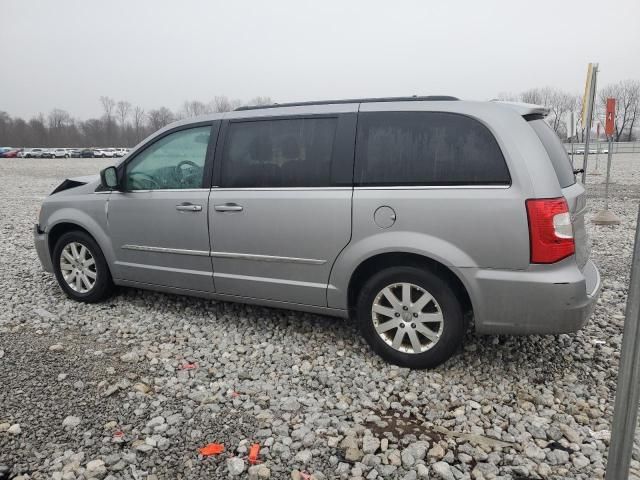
x=555 y=150
x=426 y=148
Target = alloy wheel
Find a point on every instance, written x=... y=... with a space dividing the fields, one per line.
x=78 y=267
x=407 y=318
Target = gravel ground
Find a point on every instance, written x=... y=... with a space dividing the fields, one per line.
x=132 y=388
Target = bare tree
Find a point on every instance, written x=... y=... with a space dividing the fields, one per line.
x=259 y=101
x=40 y=133
x=627 y=95
x=194 y=108
x=93 y=131
x=5 y=128
x=223 y=104
x=108 y=105
x=160 y=117
x=123 y=109
x=138 y=121
x=58 y=118
x=536 y=96
x=559 y=103
x=508 y=97
x=21 y=133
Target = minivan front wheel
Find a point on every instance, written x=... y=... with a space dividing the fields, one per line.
x=410 y=317
x=81 y=269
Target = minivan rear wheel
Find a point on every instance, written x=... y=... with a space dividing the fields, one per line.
x=81 y=269
x=410 y=317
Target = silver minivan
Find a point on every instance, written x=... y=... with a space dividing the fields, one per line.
x=411 y=216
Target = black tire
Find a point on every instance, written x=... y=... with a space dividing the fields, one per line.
x=103 y=286
x=453 y=325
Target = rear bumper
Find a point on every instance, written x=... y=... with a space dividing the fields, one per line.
x=545 y=299
x=42 y=247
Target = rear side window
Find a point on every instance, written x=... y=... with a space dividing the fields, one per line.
x=556 y=151
x=279 y=153
x=427 y=148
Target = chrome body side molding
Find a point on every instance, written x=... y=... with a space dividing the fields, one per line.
x=268 y=258
x=241 y=256
x=179 y=251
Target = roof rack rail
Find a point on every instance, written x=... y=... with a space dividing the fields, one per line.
x=415 y=98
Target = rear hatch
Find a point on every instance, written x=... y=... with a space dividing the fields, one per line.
x=573 y=191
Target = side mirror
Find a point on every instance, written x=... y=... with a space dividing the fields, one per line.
x=109 y=178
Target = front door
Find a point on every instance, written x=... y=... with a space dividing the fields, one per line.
x=158 y=224
x=282 y=211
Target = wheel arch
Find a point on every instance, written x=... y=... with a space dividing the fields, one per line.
x=381 y=261
x=60 y=229
x=66 y=220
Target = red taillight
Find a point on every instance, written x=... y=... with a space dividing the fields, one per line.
x=550 y=230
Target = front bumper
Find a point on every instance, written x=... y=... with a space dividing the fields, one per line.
x=545 y=299
x=42 y=247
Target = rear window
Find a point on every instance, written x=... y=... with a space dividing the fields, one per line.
x=556 y=151
x=427 y=148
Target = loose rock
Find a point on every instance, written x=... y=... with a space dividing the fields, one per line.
x=235 y=466
x=71 y=421
x=15 y=429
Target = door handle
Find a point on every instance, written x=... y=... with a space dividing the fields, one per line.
x=188 y=207
x=228 y=207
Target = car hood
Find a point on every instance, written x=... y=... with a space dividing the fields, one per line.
x=88 y=182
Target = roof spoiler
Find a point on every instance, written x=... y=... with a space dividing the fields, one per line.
x=525 y=109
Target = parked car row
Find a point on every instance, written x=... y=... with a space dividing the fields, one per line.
x=10 y=152
x=45 y=153
x=109 y=152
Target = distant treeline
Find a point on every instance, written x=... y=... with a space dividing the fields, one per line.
x=121 y=125
x=124 y=125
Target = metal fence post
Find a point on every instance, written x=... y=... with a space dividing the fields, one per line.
x=625 y=412
x=607 y=217
x=572 y=163
x=590 y=101
x=606 y=187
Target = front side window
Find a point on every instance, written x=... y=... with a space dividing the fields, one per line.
x=426 y=148
x=173 y=162
x=278 y=153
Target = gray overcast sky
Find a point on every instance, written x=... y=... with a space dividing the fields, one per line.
x=66 y=53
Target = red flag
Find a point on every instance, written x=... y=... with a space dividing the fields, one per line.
x=609 y=125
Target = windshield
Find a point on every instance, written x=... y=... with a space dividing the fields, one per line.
x=556 y=151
